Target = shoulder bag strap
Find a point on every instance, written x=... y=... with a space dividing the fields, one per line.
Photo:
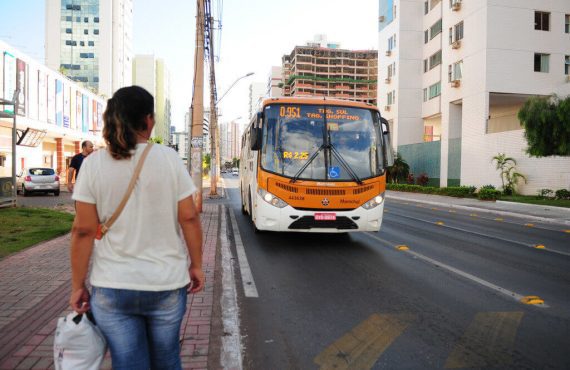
x=107 y=225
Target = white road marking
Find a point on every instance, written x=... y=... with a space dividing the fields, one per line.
x=249 y=287
x=506 y=292
x=231 y=342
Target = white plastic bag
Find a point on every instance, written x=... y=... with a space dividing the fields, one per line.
x=78 y=343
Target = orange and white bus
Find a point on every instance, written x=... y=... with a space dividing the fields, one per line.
x=315 y=165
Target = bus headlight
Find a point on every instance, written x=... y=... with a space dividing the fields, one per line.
x=271 y=199
x=374 y=202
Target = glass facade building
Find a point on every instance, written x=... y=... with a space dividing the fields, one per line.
x=79 y=41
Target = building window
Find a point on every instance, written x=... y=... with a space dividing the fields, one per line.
x=69 y=18
x=458 y=31
x=434 y=90
x=96 y=31
x=95 y=79
x=435 y=29
x=68 y=30
x=85 y=20
x=391 y=98
x=81 y=43
x=455 y=71
x=567 y=65
x=425 y=95
x=450 y=35
x=392 y=42
x=567 y=28
x=542 y=21
x=426 y=65
x=68 y=42
x=426 y=36
x=86 y=32
x=435 y=60
x=426 y=7
x=434 y=3
x=541 y=62
x=96 y=19
x=2 y=160
x=69 y=7
x=78 y=19
x=91 y=43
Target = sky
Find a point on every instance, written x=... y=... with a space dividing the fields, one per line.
x=254 y=35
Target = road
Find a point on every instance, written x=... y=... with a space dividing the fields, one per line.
x=63 y=201
x=452 y=300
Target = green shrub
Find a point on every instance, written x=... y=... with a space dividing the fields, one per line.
x=489 y=186
x=422 y=179
x=545 y=193
x=489 y=194
x=459 y=191
x=562 y=194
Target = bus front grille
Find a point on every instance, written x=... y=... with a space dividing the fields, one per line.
x=308 y=222
x=289 y=188
x=310 y=191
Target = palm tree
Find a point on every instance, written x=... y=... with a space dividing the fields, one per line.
x=513 y=177
x=503 y=163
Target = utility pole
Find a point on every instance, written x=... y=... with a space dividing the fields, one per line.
x=213 y=108
x=196 y=142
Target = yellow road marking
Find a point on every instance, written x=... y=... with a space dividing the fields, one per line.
x=361 y=347
x=434 y=208
x=532 y=299
x=488 y=341
x=539 y=246
x=529 y=225
x=440 y=223
x=473 y=214
x=499 y=219
x=402 y=247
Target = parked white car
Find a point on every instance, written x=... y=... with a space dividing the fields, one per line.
x=37 y=179
x=235 y=172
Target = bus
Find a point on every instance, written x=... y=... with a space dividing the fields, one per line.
x=315 y=165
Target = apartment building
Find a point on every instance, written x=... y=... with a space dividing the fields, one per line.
x=454 y=74
x=152 y=74
x=323 y=69
x=90 y=41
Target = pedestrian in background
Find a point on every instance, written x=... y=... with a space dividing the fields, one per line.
x=140 y=274
x=76 y=161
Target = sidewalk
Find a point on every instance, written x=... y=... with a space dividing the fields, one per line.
x=34 y=291
x=527 y=211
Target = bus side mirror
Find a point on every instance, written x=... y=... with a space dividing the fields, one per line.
x=255 y=133
x=387 y=143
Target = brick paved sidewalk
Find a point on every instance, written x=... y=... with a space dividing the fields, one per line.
x=34 y=291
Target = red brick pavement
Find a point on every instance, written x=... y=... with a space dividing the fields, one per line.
x=34 y=288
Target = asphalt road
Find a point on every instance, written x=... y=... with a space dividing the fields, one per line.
x=452 y=300
x=46 y=200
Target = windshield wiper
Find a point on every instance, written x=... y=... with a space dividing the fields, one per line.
x=311 y=159
x=345 y=165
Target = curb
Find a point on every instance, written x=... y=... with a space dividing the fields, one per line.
x=484 y=210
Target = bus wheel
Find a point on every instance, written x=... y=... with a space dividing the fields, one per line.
x=243 y=210
x=255 y=229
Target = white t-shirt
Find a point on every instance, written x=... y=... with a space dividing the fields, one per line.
x=144 y=249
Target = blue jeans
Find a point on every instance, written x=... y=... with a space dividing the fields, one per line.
x=141 y=327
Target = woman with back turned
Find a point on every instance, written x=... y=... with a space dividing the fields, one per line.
x=140 y=274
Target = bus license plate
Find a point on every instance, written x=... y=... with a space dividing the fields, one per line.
x=325 y=216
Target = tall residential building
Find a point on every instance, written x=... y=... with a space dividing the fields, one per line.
x=90 y=41
x=152 y=74
x=257 y=91
x=235 y=139
x=316 y=70
x=454 y=75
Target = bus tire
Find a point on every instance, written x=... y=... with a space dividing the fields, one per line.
x=243 y=210
x=255 y=229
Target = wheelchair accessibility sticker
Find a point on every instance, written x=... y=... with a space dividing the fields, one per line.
x=334 y=172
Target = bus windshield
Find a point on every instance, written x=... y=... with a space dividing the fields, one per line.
x=314 y=142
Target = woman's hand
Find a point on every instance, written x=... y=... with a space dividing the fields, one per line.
x=79 y=301
x=198 y=280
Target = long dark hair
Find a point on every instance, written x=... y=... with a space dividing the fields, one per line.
x=124 y=118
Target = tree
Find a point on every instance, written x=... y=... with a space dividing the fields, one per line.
x=156 y=140
x=508 y=173
x=235 y=162
x=546 y=122
x=399 y=171
x=206 y=160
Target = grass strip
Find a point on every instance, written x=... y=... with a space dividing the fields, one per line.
x=21 y=228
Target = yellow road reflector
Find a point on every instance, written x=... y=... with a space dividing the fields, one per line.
x=539 y=246
x=489 y=341
x=529 y=225
x=499 y=219
x=434 y=208
x=402 y=247
x=567 y=231
x=440 y=223
x=473 y=214
x=363 y=345
x=532 y=299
